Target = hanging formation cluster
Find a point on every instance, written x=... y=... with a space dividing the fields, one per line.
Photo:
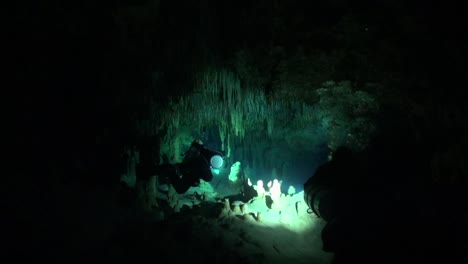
x=218 y=100
x=336 y=114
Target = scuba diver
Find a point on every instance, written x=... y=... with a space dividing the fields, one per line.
x=327 y=192
x=198 y=163
x=331 y=194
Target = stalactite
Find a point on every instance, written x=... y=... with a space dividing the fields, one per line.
x=230 y=92
x=284 y=169
x=229 y=145
x=270 y=124
x=237 y=121
x=274 y=173
x=176 y=149
x=221 y=136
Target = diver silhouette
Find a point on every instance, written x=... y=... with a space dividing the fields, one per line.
x=376 y=210
x=328 y=189
x=333 y=193
x=197 y=164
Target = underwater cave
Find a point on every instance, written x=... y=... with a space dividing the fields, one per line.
x=238 y=132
